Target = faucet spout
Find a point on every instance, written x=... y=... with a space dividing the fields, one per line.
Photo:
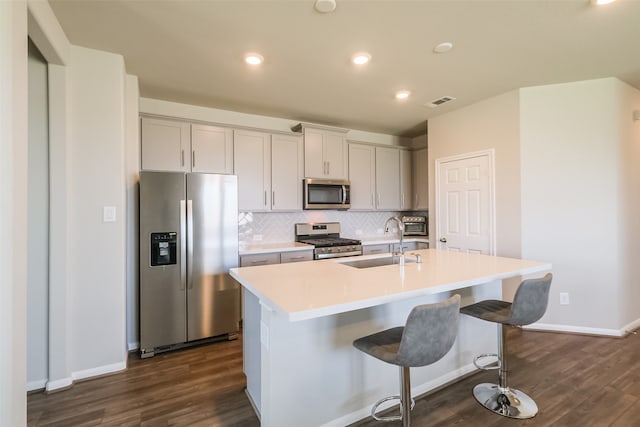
x=400 y=231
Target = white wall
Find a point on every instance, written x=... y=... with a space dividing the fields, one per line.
x=38 y=223
x=232 y=118
x=577 y=185
x=489 y=124
x=13 y=205
x=97 y=278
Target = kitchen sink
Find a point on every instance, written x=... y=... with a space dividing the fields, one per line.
x=377 y=262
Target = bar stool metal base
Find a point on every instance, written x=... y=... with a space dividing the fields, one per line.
x=507 y=402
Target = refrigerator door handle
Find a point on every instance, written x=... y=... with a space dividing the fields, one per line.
x=183 y=244
x=190 y=244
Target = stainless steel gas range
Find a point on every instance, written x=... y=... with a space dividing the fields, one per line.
x=325 y=237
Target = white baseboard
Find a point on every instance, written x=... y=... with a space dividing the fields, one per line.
x=36 y=385
x=415 y=391
x=584 y=330
x=100 y=370
x=58 y=384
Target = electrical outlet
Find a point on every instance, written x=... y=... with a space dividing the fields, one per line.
x=564 y=298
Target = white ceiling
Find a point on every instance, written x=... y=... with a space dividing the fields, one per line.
x=192 y=52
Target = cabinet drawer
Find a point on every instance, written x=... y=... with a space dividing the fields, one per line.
x=408 y=246
x=296 y=256
x=259 y=259
x=375 y=249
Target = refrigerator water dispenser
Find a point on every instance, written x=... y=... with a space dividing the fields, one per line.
x=163 y=248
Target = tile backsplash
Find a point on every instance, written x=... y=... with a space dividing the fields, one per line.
x=274 y=227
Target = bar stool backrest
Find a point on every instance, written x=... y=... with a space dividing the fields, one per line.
x=429 y=333
x=530 y=301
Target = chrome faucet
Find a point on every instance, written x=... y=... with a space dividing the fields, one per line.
x=400 y=232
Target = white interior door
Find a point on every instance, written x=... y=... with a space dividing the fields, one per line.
x=465 y=201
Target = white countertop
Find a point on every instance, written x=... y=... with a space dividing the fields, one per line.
x=312 y=289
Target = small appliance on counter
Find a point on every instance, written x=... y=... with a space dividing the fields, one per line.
x=415 y=225
x=325 y=237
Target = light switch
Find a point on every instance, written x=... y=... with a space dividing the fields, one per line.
x=109 y=214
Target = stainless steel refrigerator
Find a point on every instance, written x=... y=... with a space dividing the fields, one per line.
x=188 y=243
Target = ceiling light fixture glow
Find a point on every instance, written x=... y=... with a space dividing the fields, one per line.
x=403 y=94
x=325 y=6
x=443 y=47
x=253 y=58
x=601 y=2
x=361 y=58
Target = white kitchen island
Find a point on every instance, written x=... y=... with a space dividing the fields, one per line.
x=300 y=320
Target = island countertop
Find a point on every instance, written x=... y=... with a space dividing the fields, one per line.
x=312 y=289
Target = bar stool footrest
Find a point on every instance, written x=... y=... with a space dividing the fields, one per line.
x=490 y=366
x=389 y=418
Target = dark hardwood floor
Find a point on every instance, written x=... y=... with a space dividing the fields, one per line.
x=576 y=380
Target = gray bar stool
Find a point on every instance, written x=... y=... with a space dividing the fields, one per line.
x=427 y=336
x=529 y=305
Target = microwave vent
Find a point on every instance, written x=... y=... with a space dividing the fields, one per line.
x=438 y=102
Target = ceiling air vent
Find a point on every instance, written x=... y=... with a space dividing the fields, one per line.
x=438 y=102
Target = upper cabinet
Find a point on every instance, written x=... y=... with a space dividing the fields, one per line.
x=325 y=153
x=362 y=174
x=387 y=178
x=406 y=180
x=269 y=170
x=165 y=143
x=169 y=145
x=421 y=180
x=211 y=149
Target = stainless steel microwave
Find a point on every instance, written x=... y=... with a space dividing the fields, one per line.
x=326 y=194
x=415 y=225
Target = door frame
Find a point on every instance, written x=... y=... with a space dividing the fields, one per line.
x=490 y=153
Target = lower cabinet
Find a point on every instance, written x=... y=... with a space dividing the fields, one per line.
x=375 y=249
x=275 y=258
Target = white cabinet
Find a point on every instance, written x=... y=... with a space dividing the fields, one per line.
x=269 y=170
x=211 y=149
x=175 y=146
x=387 y=178
x=286 y=172
x=166 y=145
x=325 y=154
x=406 y=180
x=421 y=177
x=362 y=174
x=252 y=165
x=375 y=249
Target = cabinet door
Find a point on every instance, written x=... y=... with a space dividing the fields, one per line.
x=335 y=155
x=165 y=145
x=259 y=259
x=406 y=180
x=421 y=176
x=286 y=172
x=252 y=165
x=387 y=178
x=362 y=163
x=375 y=249
x=314 y=163
x=211 y=149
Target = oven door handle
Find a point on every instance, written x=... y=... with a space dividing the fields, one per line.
x=344 y=194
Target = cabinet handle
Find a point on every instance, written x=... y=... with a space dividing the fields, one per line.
x=265 y=197
x=402 y=202
x=372 y=204
x=297 y=257
x=259 y=261
x=273 y=199
x=328 y=168
x=378 y=199
x=375 y=251
x=182 y=158
x=193 y=159
x=416 y=201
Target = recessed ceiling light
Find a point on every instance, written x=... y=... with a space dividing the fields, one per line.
x=601 y=2
x=443 y=47
x=402 y=94
x=253 y=58
x=361 y=58
x=325 y=6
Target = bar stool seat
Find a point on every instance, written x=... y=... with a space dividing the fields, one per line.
x=529 y=305
x=427 y=336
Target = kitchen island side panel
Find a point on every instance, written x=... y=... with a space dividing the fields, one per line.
x=310 y=374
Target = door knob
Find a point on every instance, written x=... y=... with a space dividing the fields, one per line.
x=443 y=239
